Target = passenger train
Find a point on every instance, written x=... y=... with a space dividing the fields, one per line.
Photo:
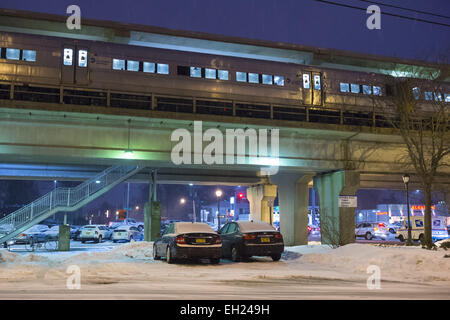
x=83 y=72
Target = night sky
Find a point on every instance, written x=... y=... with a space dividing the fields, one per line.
x=306 y=22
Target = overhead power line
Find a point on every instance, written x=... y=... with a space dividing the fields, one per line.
x=385 y=13
x=407 y=9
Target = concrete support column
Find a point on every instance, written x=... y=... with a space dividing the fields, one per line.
x=293 y=200
x=152 y=212
x=337 y=225
x=261 y=199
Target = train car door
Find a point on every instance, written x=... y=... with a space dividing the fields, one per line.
x=312 y=88
x=74 y=65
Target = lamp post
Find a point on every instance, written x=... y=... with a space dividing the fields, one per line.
x=218 y=195
x=406 y=182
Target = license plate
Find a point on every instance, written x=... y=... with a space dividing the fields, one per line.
x=265 y=239
x=88 y=233
x=119 y=234
x=200 y=240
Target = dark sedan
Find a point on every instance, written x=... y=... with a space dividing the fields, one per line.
x=188 y=240
x=243 y=239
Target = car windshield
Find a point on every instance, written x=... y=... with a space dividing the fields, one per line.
x=89 y=227
x=189 y=227
x=255 y=226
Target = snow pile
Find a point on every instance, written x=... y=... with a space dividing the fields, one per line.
x=440 y=243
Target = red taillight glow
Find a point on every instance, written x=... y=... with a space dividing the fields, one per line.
x=180 y=240
x=309 y=228
x=381 y=225
x=249 y=236
x=278 y=236
x=218 y=240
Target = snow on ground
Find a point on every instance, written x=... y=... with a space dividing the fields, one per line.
x=133 y=262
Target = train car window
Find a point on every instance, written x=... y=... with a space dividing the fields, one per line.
x=12 y=54
x=162 y=68
x=132 y=65
x=29 y=55
x=345 y=87
x=377 y=91
x=317 y=84
x=437 y=97
x=241 y=76
x=253 y=78
x=149 y=67
x=278 y=80
x=267 y=79
x=118 y=64
x=306 y=83
x=82 y=58
x=183 y=71
x=2 y=53
x=428 y=95
x=447 y=97
x=416 y=93
x=355 y=88
x=196 y=72
x=210 y=73
x=68 y=56
x=367 y=89
x=222 y=74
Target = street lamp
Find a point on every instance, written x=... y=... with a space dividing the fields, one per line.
x=182 y=200
x=406 y=182
x=218 y=195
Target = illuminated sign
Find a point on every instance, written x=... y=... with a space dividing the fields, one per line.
x=420 y=207
x=381 y=213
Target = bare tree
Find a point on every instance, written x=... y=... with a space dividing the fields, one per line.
x=416 y=108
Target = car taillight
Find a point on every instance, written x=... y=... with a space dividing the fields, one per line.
x=22 y=235
x=375 y=228
x=381 y=225
x=278 y=236
x=180 y=240
x=309 y=228
x=218 y=240
x=249 y=236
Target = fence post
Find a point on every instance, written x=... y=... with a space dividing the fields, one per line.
x=31 y=213
x=51 y=196
x=68 y=197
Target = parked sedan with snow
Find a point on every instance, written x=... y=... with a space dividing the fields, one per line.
x=125 y=233
x=94 y=232
x=243 y=239
x=34 y=234
x=188 y=240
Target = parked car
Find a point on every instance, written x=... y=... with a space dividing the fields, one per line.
x=312 y=229
x=94 y=232
x=35 y=234
x=125 y=233
x=51 y=233
x=128 y=221
x=371 y=230
x=243 y=239
x=108 y=233
x=188 y=240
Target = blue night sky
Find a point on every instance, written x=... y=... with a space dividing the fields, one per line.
x=305 y=22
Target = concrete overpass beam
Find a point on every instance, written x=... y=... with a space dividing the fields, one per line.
x=337 y=225
x=293 y=199
x=261 y=199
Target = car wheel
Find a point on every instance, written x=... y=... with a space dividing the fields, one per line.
x=276 y=257
x=140 y=228
x=368 y=236
x=131 y=238
x=114 y=241
x=400 y=237
x=83 y=241
x=235 y=256
x=169 y=257
x=215 y=260
x=155 y=255
x=99 y=240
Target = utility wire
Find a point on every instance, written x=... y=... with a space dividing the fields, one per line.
x=385 y=13
x=407 y=9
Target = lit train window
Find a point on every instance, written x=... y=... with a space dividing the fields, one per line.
x=241 y=76
x=278 y=80
x=196 y=72
x=437 y=96
x=222 y=74
x=306 y=84
x=12 y=54
x=355 y=88
x=118 y=64
x=210 y=73
x=132 y=65
x=149 y=67
x=377 y=91
x=253 y=78
x=267 y=79
x=447 y=97
x=29 y=55
x=428 y=95
x=82 y=58
x=68 y=57
x=162 y=68
x=367 y=89
x=345 y=87
x=416 y=93
x=317 y=82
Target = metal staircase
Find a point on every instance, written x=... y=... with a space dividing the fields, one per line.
x=63 y=199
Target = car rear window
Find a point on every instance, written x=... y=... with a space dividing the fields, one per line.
x=189 y=227
x=255 y=226
x=89 y=227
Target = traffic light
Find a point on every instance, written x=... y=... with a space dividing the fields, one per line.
x=240 y=196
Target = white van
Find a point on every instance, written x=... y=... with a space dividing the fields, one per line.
x=438 y=232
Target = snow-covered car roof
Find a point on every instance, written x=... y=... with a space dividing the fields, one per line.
x=192 y=227
x=254 y=226
x=124 y=227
